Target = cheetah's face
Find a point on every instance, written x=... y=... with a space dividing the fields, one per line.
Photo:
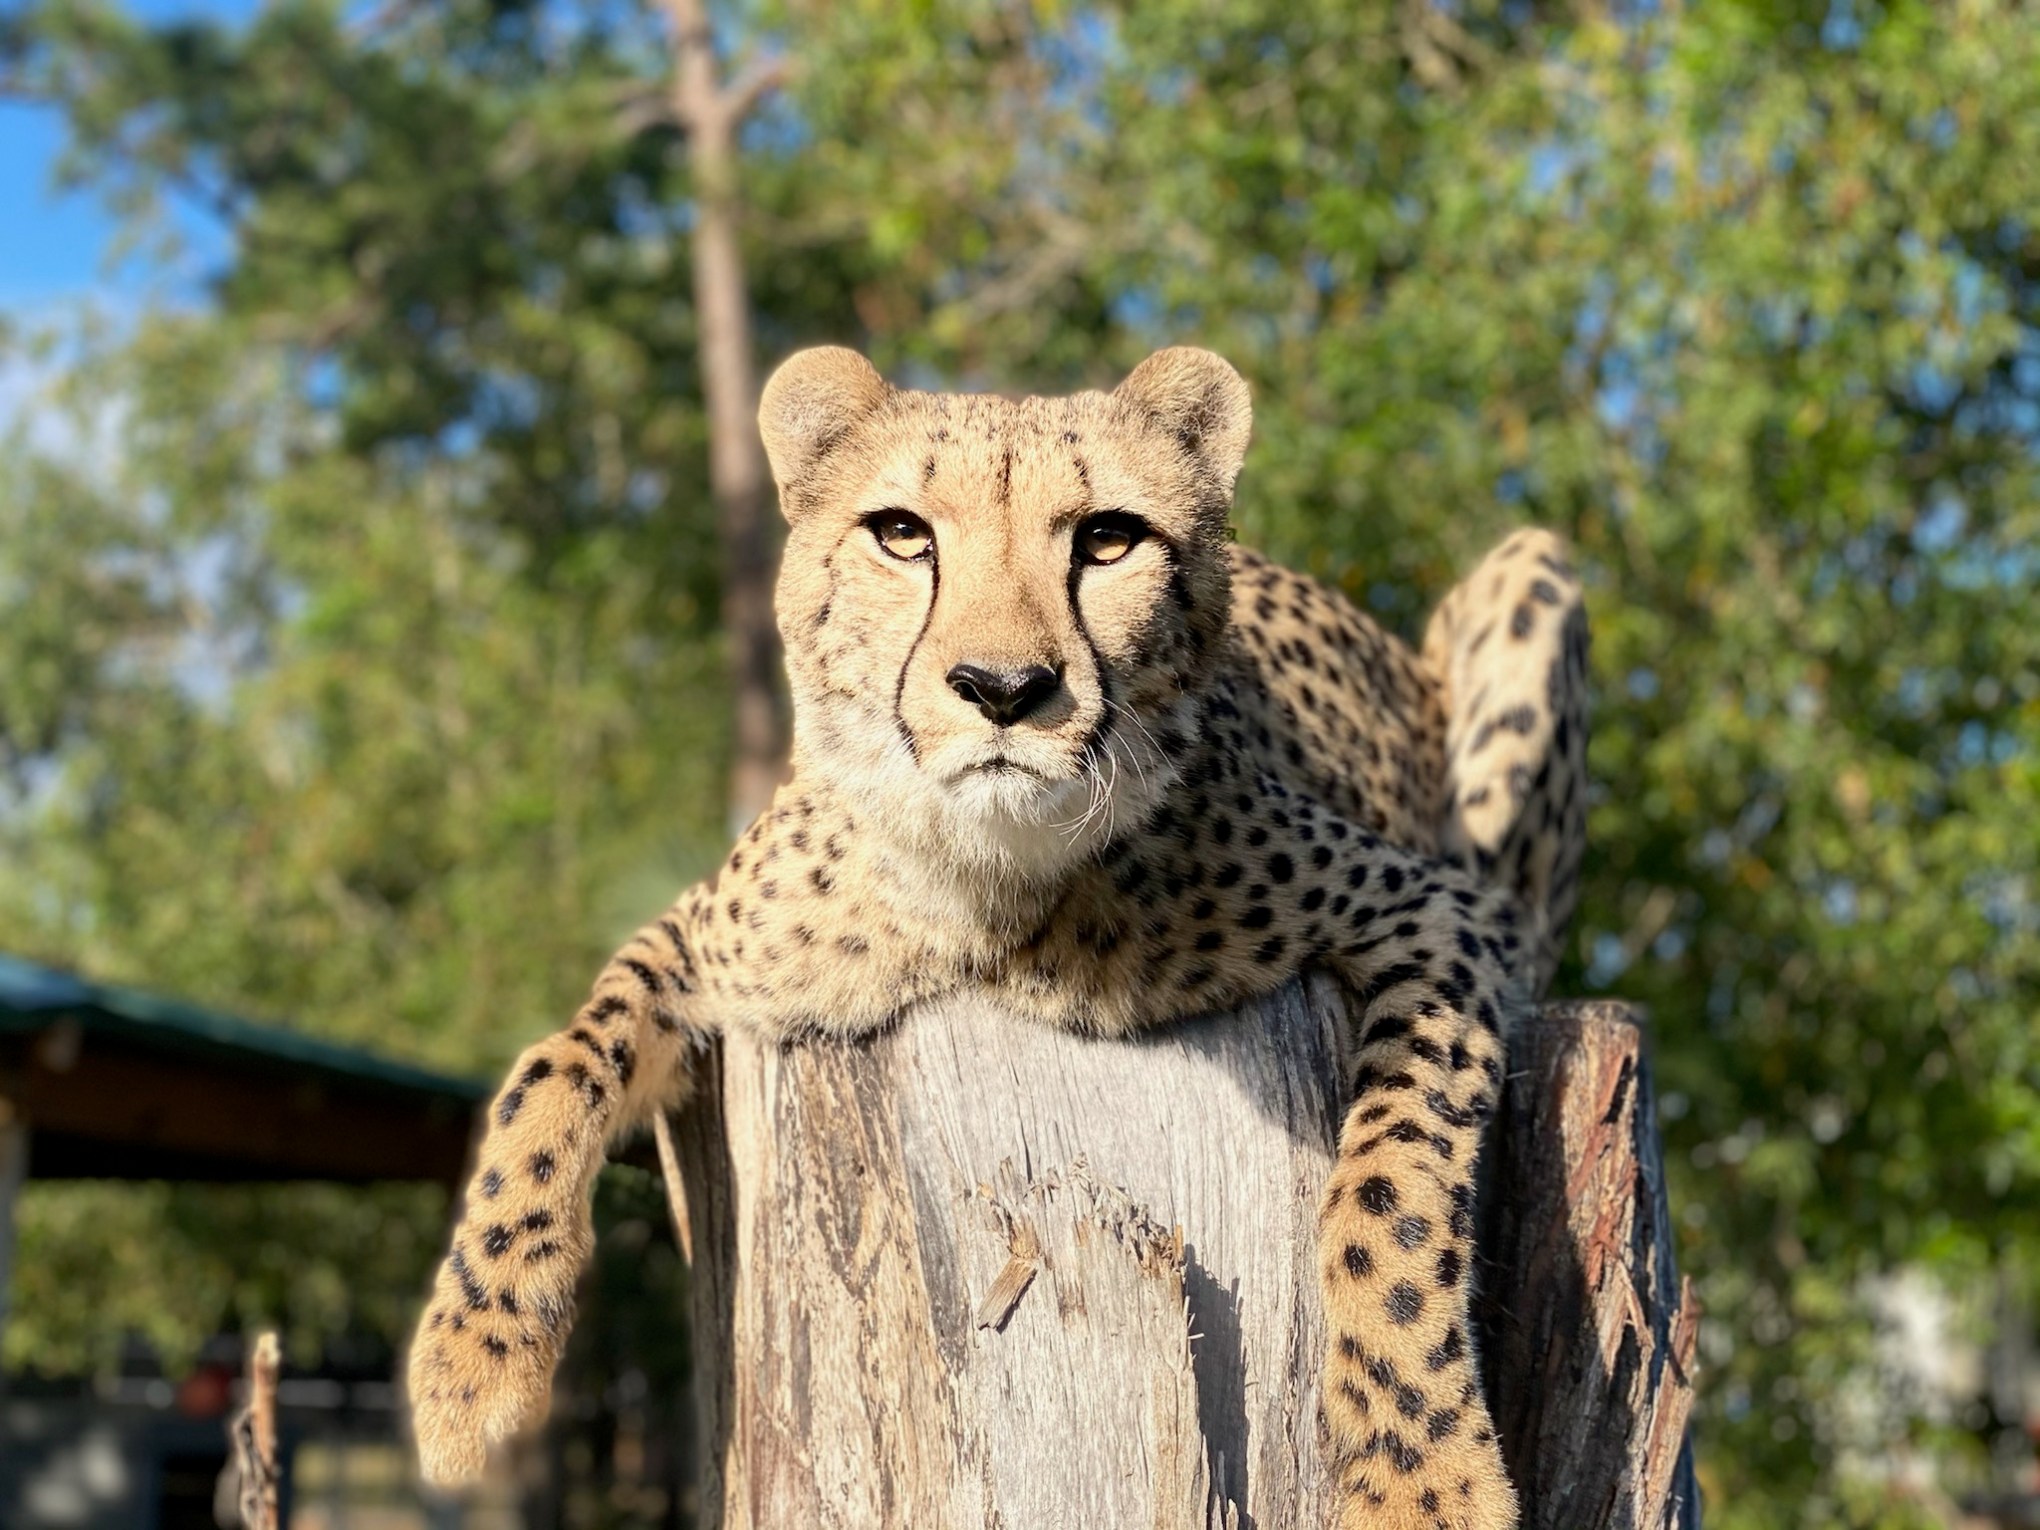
x=995 y=610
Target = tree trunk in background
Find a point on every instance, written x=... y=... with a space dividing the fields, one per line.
x=979 y=1273
x=738 y=479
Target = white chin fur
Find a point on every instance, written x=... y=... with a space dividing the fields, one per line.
x=999 y=823
x=1007 y=820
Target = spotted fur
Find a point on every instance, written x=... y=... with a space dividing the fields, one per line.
x=1228 y=774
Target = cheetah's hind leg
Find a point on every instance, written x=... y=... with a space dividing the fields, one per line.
x=1510 y=644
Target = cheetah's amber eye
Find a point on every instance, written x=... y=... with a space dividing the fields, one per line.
x=906 y=537
x=1109 y=537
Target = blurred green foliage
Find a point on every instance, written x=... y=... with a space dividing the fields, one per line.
x=359 y=664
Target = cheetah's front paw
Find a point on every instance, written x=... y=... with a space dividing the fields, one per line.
x=482 y=1361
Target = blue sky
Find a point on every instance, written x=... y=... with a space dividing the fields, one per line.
x=53 y=248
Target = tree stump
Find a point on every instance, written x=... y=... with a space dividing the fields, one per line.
x=974 y=1273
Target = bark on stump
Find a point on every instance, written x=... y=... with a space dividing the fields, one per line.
x=975 y=1273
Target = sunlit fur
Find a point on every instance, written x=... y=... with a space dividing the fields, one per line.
x=871 y=637
x=1236 y=777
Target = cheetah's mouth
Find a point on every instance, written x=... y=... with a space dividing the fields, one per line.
x=999 y=787
x=1000 y=765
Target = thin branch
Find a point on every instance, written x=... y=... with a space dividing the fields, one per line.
x=252 y=1434
x=676 y=1188
x=758 y=79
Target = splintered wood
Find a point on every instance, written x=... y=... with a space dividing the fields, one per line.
x=979 y=1274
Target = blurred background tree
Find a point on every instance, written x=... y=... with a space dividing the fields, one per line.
x=361 y=666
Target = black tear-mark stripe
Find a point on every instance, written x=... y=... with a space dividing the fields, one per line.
x=1094 y=741
x=906 y=666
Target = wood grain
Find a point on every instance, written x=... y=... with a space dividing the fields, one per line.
x=978 y=1274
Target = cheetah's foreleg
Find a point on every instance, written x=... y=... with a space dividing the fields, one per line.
x=482 y=1360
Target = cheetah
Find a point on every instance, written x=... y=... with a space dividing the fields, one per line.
x=1058 y=738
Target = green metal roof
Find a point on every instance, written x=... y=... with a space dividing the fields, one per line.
x=34 y=997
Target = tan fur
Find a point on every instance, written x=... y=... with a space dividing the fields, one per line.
x=1232 y=774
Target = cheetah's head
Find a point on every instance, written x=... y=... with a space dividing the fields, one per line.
x=996 y=610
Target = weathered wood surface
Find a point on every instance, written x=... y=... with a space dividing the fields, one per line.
x=1591 y=1332
x=976 y=1274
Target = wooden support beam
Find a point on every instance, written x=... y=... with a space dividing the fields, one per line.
x=13 y=1170
x=975 y=1272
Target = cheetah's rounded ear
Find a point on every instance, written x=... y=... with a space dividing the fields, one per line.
x=810 y=402
x=1198 y=397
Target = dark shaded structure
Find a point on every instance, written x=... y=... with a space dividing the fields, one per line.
x=103 y=1082
x=113 y=1083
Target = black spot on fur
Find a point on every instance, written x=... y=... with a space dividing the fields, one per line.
x=1449 y=1349
x=1462 y=1211
x=471 y=1290
x=585 y=1084
x=648 y=977
x=1404 y=1304
x=1378 y=1195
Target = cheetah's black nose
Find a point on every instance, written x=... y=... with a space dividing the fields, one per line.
x=1004 y=696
